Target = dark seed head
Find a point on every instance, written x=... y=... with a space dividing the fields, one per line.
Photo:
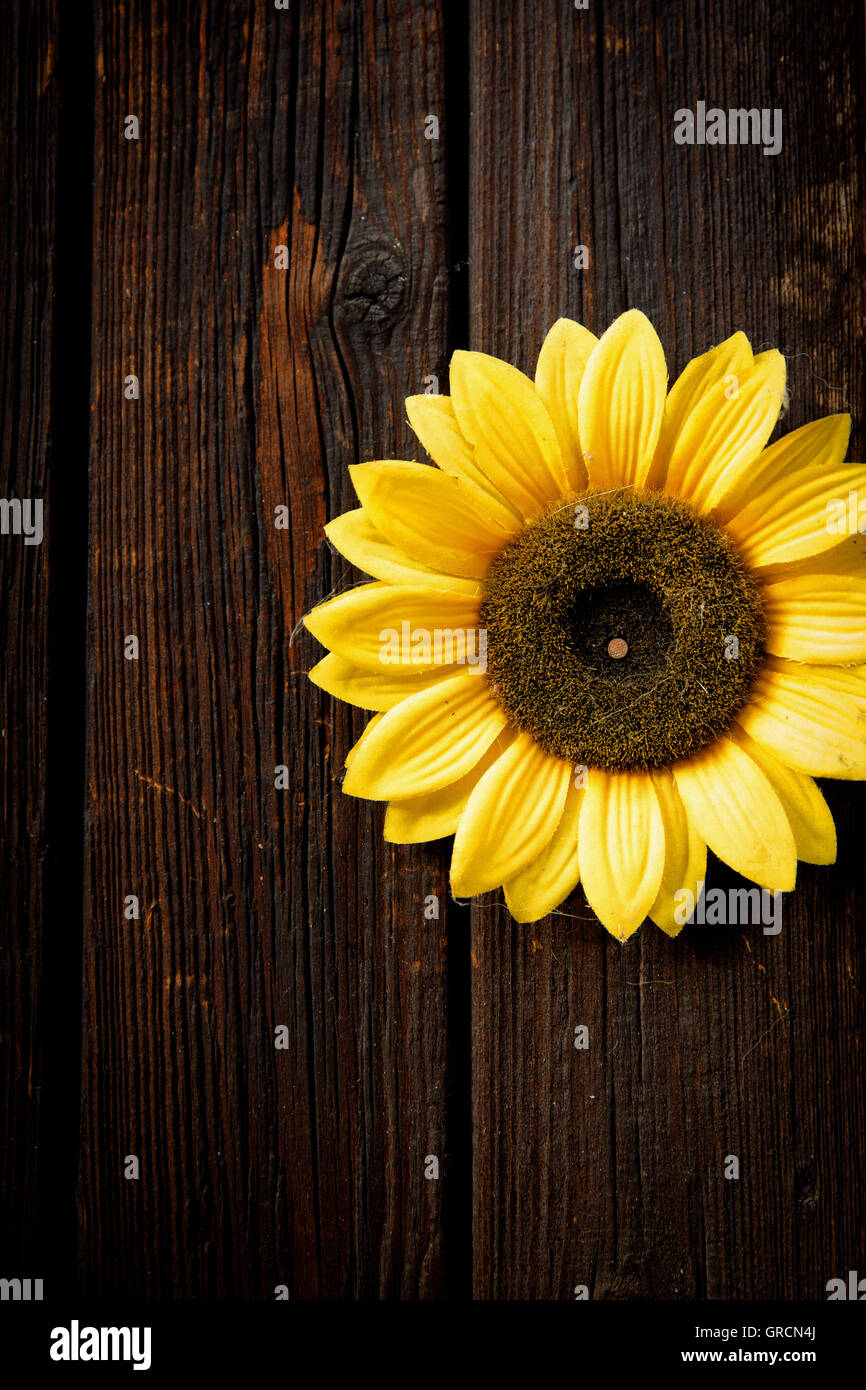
x=607 y=643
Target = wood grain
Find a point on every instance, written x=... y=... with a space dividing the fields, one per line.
x=260 y=1167
x=27 y=234
x=604 y=1167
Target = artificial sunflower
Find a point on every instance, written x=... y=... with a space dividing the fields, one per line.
x=610 y=627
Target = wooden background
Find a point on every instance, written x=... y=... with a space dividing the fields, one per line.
x=154 y=1037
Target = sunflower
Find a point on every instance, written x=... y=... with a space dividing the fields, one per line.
x=609 y=628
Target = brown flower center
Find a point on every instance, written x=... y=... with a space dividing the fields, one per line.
x=623 y=631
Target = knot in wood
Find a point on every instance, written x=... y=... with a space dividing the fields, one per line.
x=374 y=287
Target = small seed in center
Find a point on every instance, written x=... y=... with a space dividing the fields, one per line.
x=617 y=648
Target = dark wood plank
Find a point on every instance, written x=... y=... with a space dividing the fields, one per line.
x=301 y=1167
x=605 y=1168
x=28 y=119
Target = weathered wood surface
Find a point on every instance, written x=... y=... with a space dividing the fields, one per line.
x=260 y=907
x=605 y=1167
x=28 y=123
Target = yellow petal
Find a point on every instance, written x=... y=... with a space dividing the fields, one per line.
x=726 y=363
x=733 y=806
x=549 y=878
x=375 y=623
x=816 y=617
x=808 y=813
x=822 y=442
x=805 y=514
x=813 y=718
x=561 y=364
x=726 y=432
x=430 y=817
x=621 y=848
x=851 y=680
x=435 y=423
x=848 y=558
x=427 y=741
x=376 y=690
x=428 y=515
x=374 y=723
x=510 y=817
x=685 y=860
x=355 y=536
x=500 y=412
x=621 y=402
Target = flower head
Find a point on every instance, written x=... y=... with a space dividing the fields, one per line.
x=610 y=626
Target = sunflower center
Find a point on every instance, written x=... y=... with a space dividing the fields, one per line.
x=623 y=631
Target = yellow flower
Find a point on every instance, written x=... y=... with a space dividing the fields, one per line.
x=609 y=629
